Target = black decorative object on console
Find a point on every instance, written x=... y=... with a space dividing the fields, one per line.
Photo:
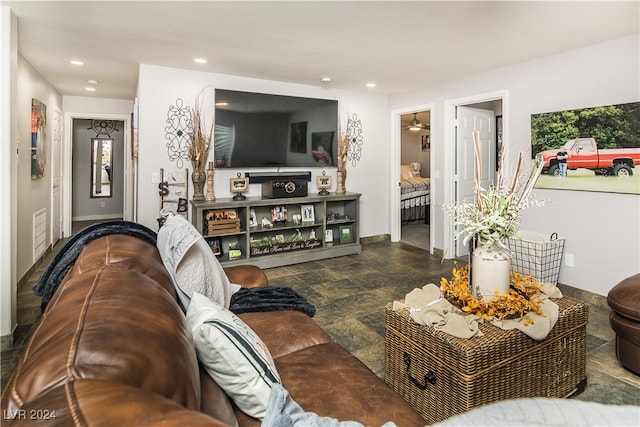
x=284 y=188
x=258 y=177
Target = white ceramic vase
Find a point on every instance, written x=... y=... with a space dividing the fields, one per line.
x=490 y=271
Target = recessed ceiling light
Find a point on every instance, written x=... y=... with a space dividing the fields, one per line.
x=371 y=85
x=326 y=79
x=92 y=82
x=76 y=62
x=200 y=60
x=90 y=89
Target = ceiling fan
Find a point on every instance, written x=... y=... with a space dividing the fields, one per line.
x=416 y=125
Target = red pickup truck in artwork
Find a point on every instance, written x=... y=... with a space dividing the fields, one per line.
x=584 y=153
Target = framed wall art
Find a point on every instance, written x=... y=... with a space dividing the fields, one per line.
x=602 y=146
x=38 y=139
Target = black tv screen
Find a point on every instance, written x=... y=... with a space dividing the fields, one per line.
x=254 y=130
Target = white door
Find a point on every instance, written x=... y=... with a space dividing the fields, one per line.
x=56 y=177
x=469 y=120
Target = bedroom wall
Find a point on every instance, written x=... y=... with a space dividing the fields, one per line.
x=369 y=176
x=602 y=230
x=411 y=151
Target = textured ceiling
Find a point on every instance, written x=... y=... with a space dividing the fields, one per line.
x=401 y=46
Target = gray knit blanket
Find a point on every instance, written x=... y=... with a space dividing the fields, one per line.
x=52 y=276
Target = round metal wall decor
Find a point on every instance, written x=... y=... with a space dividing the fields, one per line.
x=177 y=132
x=103 y=127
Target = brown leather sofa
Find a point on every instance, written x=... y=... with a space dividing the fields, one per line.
x=113 y=349
x=624 y=301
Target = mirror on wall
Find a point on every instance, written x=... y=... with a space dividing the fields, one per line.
x=101 y=161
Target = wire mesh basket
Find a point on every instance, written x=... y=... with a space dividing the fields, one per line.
x=538 y=255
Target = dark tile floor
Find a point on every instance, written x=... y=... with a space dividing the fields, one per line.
x=350 y=294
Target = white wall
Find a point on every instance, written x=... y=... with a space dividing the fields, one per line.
x=370 y=176
x=602 y=230
x=91 y=105
x=33 y=195
x=8 y=160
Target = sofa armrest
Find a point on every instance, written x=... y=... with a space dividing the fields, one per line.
x=247 y=276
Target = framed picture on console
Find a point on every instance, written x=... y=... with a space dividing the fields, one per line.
x=279 y=214
x=346 y=235
x=308 y=215
x=216 y=246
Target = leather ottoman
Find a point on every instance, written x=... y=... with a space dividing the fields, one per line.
x=624 y=301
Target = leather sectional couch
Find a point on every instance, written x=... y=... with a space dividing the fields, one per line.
x=113 y=348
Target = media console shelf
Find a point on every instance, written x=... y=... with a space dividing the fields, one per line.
x=323 y=227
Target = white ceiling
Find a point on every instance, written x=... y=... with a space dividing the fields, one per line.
x=401 y=46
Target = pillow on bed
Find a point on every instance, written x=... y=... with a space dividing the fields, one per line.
x=233 y=355
x=406 y=172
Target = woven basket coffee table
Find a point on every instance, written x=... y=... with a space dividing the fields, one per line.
x=441 y=375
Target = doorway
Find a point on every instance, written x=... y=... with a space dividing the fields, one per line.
x=97 y=169
x=82 y=131
x=463 y=117
x=415 y=177
x=396 y=159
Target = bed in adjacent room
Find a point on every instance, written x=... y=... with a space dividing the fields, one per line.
x=414 y=195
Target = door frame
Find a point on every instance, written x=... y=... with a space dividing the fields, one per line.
x=450 y=153
x=129 y=190
x=57 y=165
x=394 y=156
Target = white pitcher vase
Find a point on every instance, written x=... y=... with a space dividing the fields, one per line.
x=490 y=271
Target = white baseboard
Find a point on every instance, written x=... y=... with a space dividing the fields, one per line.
x=96 y=217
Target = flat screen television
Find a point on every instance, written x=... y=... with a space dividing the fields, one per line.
x=258 y=130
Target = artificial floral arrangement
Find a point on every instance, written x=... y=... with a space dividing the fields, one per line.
x=495 y=215
x=200 y=136
x=521 y=299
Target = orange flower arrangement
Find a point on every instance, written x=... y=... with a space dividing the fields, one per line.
x=523 y=297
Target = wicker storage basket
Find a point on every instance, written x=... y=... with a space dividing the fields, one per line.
x=441 y=375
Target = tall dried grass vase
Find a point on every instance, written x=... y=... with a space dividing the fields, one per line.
x=198 y=177
x=210 y=196
x=341 y=178
x=490 y=271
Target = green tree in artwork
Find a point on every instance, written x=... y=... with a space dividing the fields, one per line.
x=612 y=126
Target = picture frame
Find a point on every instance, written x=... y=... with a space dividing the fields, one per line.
x=346 y=234
x=323 y=183
x=253 y=220
x=216 y=246
x=238 y=184
x=589 y=137
x=425 y=143
x=328 y=235
x=308 y=214
x=38 y=139
x=279 y=214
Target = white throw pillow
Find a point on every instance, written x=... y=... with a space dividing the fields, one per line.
x=232 y=354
